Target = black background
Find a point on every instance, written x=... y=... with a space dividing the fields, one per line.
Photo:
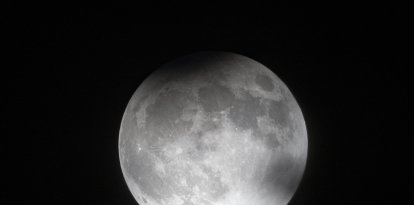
x=76 y=69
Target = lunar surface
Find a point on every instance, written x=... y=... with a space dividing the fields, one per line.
x=213 y=128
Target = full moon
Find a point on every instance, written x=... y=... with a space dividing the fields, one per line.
x=213 y=128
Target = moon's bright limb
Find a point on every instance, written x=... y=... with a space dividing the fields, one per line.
x=213 y=128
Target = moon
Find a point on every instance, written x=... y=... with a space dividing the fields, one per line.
x=213 y=128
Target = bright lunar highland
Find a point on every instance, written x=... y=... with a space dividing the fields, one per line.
x=213 y=128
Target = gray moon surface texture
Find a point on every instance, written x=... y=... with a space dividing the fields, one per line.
x=213 y=128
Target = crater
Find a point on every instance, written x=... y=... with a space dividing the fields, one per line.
x=144 y=199
x=203 y=143
x=264 y=82
x=214 y=187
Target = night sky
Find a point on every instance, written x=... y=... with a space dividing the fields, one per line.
x=76 y=69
